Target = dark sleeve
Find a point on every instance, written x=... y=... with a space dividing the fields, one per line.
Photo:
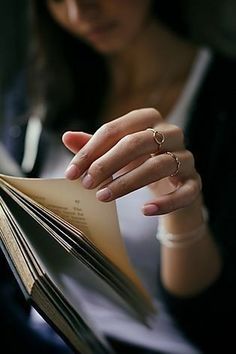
x=208 y=319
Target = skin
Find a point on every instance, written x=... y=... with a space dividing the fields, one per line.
x=102 y=24
x=121 y=147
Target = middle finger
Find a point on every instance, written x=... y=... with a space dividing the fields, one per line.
x=152 y=170
x=128 y=151
x=108 y=135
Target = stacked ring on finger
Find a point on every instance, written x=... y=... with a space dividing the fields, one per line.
x=178 y=163
x=159 y=139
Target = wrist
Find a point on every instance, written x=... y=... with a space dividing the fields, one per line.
x=182 y=240
x=184 y=227
x=185 y=219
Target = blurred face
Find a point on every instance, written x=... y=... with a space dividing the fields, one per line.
x=107 y=25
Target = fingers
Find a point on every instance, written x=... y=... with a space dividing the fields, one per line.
x=74 y=141
x=116 y=160
x=129 y=150
x=186 y=185
x=125 y=153
x=152 y=170
x=180 y=198
x=109 y=135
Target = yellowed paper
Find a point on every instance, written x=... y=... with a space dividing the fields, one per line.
x=17 y=258
x=78 y=206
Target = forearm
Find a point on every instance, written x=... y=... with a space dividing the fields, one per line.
x=188 y=270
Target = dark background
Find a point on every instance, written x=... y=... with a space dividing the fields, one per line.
x=211 y=22
x=13 y=41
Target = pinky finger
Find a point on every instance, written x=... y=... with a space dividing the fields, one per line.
x=180 y=198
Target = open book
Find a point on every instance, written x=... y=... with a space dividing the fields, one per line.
x=59 y=240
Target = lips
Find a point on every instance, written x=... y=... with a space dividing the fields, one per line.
x=99 y=31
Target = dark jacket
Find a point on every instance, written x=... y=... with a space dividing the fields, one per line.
x=209 y=318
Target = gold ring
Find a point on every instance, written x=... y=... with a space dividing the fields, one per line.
x=178 y=163
x=158 y=137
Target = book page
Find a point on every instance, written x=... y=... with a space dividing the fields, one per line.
x=80 y=207
x=15 y=259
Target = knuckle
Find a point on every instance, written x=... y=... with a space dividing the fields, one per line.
x=171 y=205
x=97 y=169
x=130 y=141
x=191 y=162
x=176 y=133
x=152 y=116
x=179 y=133
x=190 y=159
x=194 y=189
x=189 y=155
x=155 y=115
x=83 y=156
x=108 y=130
x=120 y=187
x=153 y=111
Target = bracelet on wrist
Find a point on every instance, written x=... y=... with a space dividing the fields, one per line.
x=182 y=240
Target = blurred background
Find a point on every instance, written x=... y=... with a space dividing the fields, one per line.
x=13 y=39
x=211 y=22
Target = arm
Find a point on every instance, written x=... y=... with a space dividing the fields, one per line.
x=122 y=149
x=189 y=270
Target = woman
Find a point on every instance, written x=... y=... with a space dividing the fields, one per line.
x=119 y=65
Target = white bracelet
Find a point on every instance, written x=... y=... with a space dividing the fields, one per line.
x=181 y=240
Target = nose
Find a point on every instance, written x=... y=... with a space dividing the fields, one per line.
x=78 y=8
x=72 y=10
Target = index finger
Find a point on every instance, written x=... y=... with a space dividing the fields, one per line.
x=108 y=135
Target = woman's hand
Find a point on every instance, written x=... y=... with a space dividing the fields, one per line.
x=123 y=155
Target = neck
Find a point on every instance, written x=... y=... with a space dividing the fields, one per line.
x=152 y=56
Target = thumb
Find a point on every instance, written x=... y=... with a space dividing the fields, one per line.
x=74 y=141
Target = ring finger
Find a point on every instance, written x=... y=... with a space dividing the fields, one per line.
x=129 y=151
x=152 y=170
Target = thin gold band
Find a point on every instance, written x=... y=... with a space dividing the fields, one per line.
x=158 y=137
x=178 y=163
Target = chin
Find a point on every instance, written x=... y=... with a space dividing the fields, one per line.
x=108 y=48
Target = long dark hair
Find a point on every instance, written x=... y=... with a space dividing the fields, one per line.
x=67 y=76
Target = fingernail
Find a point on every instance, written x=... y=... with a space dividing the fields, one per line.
x=150 y=209
x=72 y=171
x=87 y=181
x=103 y=194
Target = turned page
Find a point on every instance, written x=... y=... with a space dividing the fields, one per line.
x=97 y=220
